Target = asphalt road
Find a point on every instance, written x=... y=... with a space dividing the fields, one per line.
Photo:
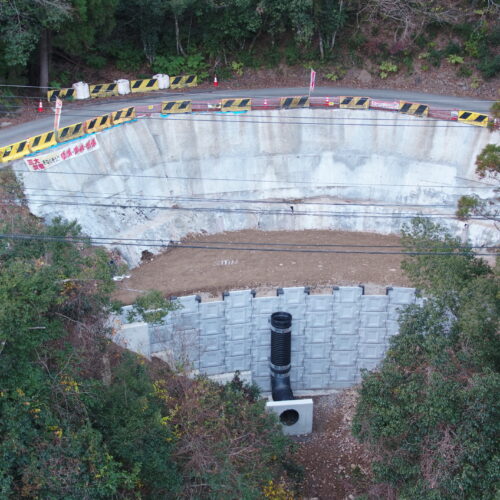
x=83 y=110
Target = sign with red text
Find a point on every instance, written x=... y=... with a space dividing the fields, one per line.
x=78 y=148
x=312 y=82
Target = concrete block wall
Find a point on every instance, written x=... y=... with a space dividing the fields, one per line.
x=334 y=336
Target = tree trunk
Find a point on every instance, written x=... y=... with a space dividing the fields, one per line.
x=44 y=61
x=180 y=50
x=321 y=50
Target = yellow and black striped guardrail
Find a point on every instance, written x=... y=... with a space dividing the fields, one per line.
x=61 y=94
x=99 y=123
x=473 y=118
x=294 y=102
x=351 y=102
x=123 y=115
x=146 y=85
x=178 y=82
x=244 y=104
x=168 y=107
x=14 y=151
x=42 y=141
x=70 y=132
x=413 y=108
x=103 y=90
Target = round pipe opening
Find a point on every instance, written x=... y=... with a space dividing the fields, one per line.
x=281 y=320
x=289 y=417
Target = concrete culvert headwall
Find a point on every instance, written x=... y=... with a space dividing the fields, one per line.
x=164 y=178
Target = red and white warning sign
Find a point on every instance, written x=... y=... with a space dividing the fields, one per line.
x=312 y=82
x=42 y=162
x=57 y=113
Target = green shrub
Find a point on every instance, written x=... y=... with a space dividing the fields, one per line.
x=95 y=61
x=489 y=66
x=386 y=68
x=464 y=71
x=177 y=65
x=454 y=59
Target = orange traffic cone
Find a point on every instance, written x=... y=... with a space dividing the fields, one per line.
x=216 y=83
x=40 y=106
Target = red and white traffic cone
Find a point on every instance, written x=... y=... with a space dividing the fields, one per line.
x=265 y=103
x=216 y=83
x=40 y=106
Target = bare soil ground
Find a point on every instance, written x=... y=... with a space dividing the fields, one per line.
x=184 y=271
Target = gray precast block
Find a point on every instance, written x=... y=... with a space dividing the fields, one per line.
x=264 y=383
x=319 y=303
x=371 y=351
x=265 y=305
x=345 y=310
x=298 y=311
x=238 y=332
x=239 y=298
x=298 y=343
x=394 y=310
x=124 y=313
x=209 y=310
x=392 y=327
x=212 y=326
x=372 y=319
x=261 y=322
x=189 y=303
x=212 y=343
x=344 y=358
x=293 y=295
x=238 y=315
x=261 y=354
x=183 y=321
x=160 y=333
x=212 y=359
x=240 y=363
x=374 y=303
x=346 y=326
x=345 y=342
x=319 y=319
x=261 y=337
x=319 y=335
x=238 y=348
x=298 y=327
x=372 y=335
x=135 y=337
x=320 y=381
x=317 y=351
x=296 y=377
x=297 y=358
x=401 y=295
x=347 y=293
x=317 y=366
x=343 y=374
x=261 y=369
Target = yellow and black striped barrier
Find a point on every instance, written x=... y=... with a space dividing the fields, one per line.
x=244 y=104
x=473 y=118
x=144 y=85
x=351 y=102
x=123 y=115
x=168 y=107
x=42 y=141
x=103 y=90
x=413 y=108
x=96 y=124
x=294 y=102
x=61 y=94
x=70 y=132
x=14 y=151
x=178 y=82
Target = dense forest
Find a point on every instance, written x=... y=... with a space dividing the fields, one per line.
x=58 y=41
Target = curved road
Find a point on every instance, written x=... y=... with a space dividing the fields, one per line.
x=74 y=113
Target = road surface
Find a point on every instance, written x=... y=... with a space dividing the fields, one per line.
x=83 y=110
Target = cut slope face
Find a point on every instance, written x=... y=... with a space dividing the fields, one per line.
x=163 y=178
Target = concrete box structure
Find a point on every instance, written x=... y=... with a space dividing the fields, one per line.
x=296 y=416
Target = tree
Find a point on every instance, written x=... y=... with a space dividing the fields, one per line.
x=431 y=411
x=487 y=165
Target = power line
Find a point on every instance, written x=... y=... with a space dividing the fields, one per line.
x=209 y=246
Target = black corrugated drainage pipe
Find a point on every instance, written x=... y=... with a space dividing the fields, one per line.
x=281 y=343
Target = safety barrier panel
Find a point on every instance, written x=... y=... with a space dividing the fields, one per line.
x=96 y=124
x=244 y=104
x=70 y=132
x=14 y=151
x=350 y=102
x=123 y=115
x=178 y=82
x=61 y=94
x=473 y=118
x=294 y=102
x=413 y=108
x=144 y=85
x=168 y=107
x=42 y=141
x=103 y=90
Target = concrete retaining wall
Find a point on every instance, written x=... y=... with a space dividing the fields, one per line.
x=361 y=158
x=333 y=336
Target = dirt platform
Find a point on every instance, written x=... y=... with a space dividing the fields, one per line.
x=184 y=271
